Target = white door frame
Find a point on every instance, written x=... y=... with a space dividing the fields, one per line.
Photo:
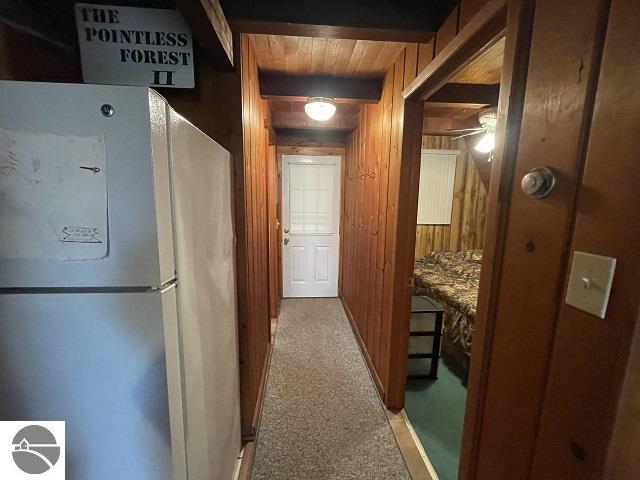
x=309 y=285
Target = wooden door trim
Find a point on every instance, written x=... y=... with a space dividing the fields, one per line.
x=405 y=244
x=527 y=274
x=275 y=281
x=486 y=28
x=294 y=150
x=510 y=107
x=479 y=34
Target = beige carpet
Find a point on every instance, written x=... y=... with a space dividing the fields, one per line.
x=322 y=417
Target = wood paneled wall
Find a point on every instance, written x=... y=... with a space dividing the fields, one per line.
x=470 y=195
x=29 y=58
x=370 y=209
x=252 y=241
x=374 y=222
x=469 y=209
x=456 y=21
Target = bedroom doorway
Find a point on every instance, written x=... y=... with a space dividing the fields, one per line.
x=456 y=152
x=452 y=207
x=310 y=225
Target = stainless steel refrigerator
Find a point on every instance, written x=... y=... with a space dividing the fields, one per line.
x=117 y=282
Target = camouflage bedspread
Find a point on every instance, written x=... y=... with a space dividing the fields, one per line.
x=452 y=279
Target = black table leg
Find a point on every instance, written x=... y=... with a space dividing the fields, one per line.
x=435 y=350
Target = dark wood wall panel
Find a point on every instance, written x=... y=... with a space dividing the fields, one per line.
x=26 y=57
x=469 y=209
x=528 y=291
x=447 y=31
x=582 y=388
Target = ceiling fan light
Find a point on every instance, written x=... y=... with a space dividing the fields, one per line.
x=486 y=143
x=320 y=108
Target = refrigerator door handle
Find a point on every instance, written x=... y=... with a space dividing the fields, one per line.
x=165 y=286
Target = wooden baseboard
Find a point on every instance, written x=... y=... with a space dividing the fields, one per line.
x=363 y=349
x=246 y=465
x=412 y=451
x=263 y=383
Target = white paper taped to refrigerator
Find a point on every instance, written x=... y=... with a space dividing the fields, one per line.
x=53 y=196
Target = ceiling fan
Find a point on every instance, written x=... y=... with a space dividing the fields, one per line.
x=488 y=119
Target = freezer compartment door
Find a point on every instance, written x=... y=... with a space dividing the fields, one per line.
x=98 y=362
x=84 y=186
x=201 y=174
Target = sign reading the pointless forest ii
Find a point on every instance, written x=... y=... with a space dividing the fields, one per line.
x=134 y=46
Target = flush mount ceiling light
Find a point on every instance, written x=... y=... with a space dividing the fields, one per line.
x=320 y=108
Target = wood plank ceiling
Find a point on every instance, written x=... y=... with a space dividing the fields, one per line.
x=300 y=56
x=324 y=56
x=486 y=70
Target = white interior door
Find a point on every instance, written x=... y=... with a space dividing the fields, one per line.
x=310 y=221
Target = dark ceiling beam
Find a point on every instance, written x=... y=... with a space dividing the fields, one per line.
x=395 y=16
x=300 y=120
x=444 y=126
x=312 y=138
x=210 y=28
x=469 y=94
x=343 y=90
x=331 y=31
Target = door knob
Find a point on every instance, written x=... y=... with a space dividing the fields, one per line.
x=286 y=241
x=286 y=230
x=539 y=182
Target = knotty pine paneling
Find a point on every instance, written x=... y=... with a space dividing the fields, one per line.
x=469 y=208
x=370 y=192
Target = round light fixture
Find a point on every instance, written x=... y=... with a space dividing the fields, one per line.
x=320 y=108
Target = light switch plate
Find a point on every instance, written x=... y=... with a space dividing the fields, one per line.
x=590 y=282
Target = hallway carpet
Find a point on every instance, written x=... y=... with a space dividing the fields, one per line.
x=322 y=417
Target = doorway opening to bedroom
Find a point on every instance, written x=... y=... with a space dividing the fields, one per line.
x=455 y=170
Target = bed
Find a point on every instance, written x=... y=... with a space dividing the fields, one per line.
x=452 y=279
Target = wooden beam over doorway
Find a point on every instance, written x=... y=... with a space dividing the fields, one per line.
x=458 y=94
x=486 y=28
x=332 y=31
